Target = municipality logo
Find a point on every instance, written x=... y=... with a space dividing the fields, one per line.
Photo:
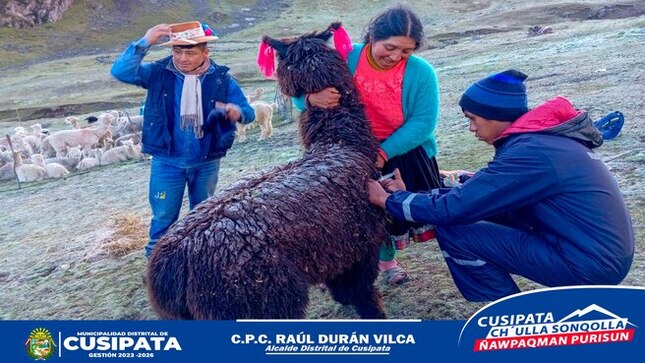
x=40 y=344
x=591 y=325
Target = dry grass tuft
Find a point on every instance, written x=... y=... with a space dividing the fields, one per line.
x=126 y=234
x=130 y=234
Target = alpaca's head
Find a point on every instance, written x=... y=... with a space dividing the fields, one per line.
x=74 y=152
x=38 y=159
x=308 y=65
x=20 y=131
x=107 y=118
x=71 y=120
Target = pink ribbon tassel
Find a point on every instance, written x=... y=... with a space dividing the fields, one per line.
x=266 y=60
x=342 y=42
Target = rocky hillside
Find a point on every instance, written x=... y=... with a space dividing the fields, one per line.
x=39 y=30
x=29 y=13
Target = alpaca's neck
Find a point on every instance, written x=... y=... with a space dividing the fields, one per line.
x=345 y=125
x=17 y=159
x=102 y=129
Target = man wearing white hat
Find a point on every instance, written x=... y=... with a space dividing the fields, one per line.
x=183 y=89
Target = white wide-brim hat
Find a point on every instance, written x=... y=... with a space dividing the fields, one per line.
x=189 y=33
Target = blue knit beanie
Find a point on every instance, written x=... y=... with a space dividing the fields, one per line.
x=500 y=96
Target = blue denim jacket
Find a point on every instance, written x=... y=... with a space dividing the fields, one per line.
x=163 y=136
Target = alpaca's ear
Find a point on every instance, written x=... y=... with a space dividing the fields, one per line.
x=279 y=46
x=327 y=33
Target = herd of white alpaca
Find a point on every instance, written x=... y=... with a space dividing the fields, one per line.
x=39 y=155
x=113 y=138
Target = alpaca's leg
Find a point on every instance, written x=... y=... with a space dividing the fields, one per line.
x=263 y=131
x=269 y=128
x=356 y=287
x=167 y=283
x=286 y=291
x=288 y=299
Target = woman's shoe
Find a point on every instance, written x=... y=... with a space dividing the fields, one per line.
x=395 y=276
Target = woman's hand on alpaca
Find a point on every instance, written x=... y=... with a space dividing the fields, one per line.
x=157 y=32
x=327 y=98
x=393 y=184
x=379 y=162
x=377 y=195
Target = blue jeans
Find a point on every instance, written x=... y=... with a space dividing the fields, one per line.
x=166 y=193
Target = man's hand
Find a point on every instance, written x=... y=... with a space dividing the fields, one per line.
x=233 y=111
x=157 y=32
x=393 y=184
x=327 y=98
x=378 y=190
x=377 y=195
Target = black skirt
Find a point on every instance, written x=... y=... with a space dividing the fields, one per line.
x=419 y=173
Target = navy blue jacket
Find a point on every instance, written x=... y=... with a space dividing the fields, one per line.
x=159 y=112
x=546 y=177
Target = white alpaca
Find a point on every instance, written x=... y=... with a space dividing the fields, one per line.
x=19 y=133
x=35 y=138
x=73 y=120
x=257 y=93
x=20 y=145
x=127 y=125
x=6 y=171
x=263 y=117
x=46 y=148
x=5 y=157
x=92 y=161
x=85 y=138
x=119 y=153
x=74 y=156
x=135 y=137
x=19 y=130
x=53 y=170
x=106 y=139
x=28 y=173
x=134 y=152
x=133 y=124
x=74 y=152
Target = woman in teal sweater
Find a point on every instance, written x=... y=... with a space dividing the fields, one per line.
x=401 y=98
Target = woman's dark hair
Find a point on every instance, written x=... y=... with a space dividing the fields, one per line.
x=398 y=20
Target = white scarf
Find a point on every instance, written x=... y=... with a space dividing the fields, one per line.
x=191 y=112
x=191 y=105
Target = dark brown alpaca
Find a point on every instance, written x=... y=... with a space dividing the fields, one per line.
x=253 y=250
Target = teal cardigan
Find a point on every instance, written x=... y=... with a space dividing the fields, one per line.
x=420 y=107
